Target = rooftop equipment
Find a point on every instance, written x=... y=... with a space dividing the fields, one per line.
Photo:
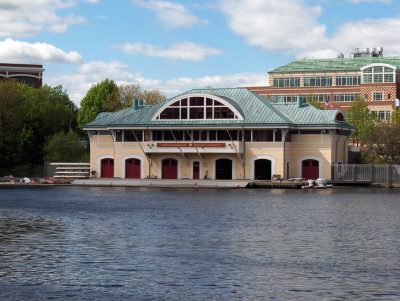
x=367 y=52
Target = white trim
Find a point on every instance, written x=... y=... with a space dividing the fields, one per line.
x=212 y=175
x=26 y=75
x=383 y=73
x=98 y=168
x=221 y=100
x=252 y=164
x=301 y=159
x=378 y=65
x=132 y=157
x=179 y=166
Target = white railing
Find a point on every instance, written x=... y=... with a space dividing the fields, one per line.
x=368 y=173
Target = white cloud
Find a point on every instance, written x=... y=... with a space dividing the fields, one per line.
x=284 y=25
x=180 y=51
x=293 y=27
x=368 y=33
x=28 y=17
x=79 y=81
x=371 y=1
x=23 y=52
x=173 y=15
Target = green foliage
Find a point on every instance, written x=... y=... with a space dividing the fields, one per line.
x=396 y=116
x=382 y=144
x=11 y=110
x=100 y=97
x=106 y=96
x=152 y=97
x=314 y=102
x=65 y=147
x=359 y=116
x=28 y=116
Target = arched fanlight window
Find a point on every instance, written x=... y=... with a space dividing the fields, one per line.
x=378 y=73
x=339 y=117
x=198 y=107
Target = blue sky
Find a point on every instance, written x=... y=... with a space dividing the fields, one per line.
x=176 y=45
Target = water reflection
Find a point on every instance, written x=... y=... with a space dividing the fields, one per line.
x=167 y=244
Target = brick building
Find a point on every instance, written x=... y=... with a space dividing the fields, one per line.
x=337 y=82
x=25 y=73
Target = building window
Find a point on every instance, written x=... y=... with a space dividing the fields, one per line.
x=263 y=135
x=378 y=74
x=286 y=82
x=348 y=80
x=133 y=136
x=285 y=98
x=198 y=108
x=381 y=115
x=318 y=81
x=118 y=136
x=377 y=96
x=345 y=97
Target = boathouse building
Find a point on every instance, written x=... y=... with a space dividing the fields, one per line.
x=218 y=134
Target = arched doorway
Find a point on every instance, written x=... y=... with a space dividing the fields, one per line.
x=223 y=169
x=196 y=170
x=107 y=168
x=132 y=168
x=262 y=169
x=310 y=169
x=169 y=169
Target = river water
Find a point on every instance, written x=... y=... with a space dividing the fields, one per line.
x=181 y=244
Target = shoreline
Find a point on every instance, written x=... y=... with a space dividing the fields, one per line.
x=187 y=183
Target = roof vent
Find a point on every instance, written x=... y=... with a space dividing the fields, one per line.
x=299 y=102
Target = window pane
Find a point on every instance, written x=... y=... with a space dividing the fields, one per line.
x=278 y=135
x=196 y=113
x=212 y=135
x=184 y=113
x=196 y=101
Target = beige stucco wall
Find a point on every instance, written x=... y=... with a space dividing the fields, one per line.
x=325 y=148
x=316 y=147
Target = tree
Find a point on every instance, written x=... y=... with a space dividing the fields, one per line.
x=94 y=101
x=313 y=101
x=152 y=97
x=359 y=116
x=106 y=96
x=11 y=119
x=28 y=116
x=65 y=147
x=382 y=144
x=129 y=92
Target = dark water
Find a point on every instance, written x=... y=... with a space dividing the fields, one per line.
x=149 y=244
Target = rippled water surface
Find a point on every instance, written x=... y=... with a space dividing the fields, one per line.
x=181 y=244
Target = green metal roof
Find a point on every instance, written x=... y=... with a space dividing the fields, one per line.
x=255 y=110
x=334 y=65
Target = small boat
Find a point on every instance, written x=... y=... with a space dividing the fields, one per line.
x=317 y=184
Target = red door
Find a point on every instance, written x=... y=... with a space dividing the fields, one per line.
x=310 y=169
x=107 y=168
x=132 y=168
x=196 y=170
x=169 y=169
